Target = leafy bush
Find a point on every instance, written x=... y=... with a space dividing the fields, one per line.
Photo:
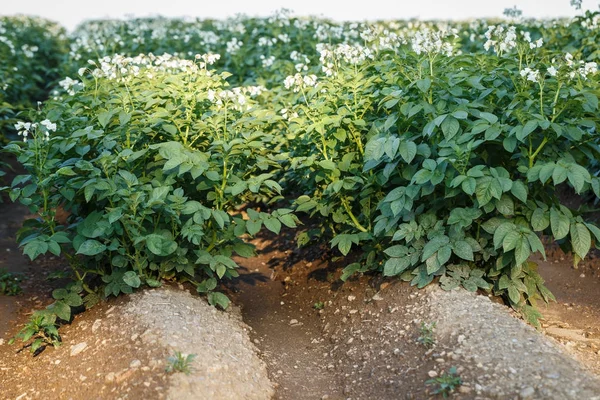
x=153 y=158
x=451 y=172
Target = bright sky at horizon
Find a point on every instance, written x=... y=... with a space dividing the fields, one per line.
x=70 y=12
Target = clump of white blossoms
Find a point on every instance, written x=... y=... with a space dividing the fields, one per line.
x=208 y=59
x=29 y=51
x=330 y=55
x=121 y=68
x=26 y=128
x=380 y=38
x=429 y=41
x=500 y=39
x=70 y=85
x=532 y=75
x=572 y=69
x=234 y=45
x=532 y=44
x=236 y=97
x=267 y=61
x=299 y=82
x=301 y=61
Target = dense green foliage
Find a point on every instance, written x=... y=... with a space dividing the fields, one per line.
x=436 y=149
x=32 y=50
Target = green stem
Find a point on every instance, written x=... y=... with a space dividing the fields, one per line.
x=537 y=151
x=352 y=217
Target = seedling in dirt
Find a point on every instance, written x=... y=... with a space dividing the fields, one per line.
x=180 y=363
x=446 y=383
x=426 y=337
x=42 y=328
x=9 y=283
x=319 y=305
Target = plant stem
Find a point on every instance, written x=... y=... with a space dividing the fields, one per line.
x=352 y=217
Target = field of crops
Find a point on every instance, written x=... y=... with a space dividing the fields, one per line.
x=432 y=151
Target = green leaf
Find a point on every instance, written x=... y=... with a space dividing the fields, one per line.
x=491 y=118
x=244 y=250
x=463 y=250
x=487 y=188
x=220 y=270
x=272 y=224
x=559 y=224
x=60 y=293
x=132 y=279
x=159 y=245
x=469 y=185
x=253 y=227
x=505 y=205
x=66 y=171
x=580 y=239
x=501 y=231
x=327 y=164
x=540 y=220
x=408 y=151
x=559 y=175
x=35 y=248
x=344 y=242
x=396 y=251
x=207 y=285
x=61 y=309
x=288 y=220
x=433 y=246
x=460 y=114
x=218 y=299
x=511 y=240
x=395 y=266
x=424 y=84
x=519 y=190
x=522 y=251
x=172 y=129
x=450 y=127
x=73 y=300
x=91 y=247
x=529 y=127
x=350 y=270
x=104 y=118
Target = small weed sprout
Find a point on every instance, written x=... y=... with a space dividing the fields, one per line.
x=9 y=283
x=319 y=305
x=446 y=383
x=42 y=329
x=426 y=337
x=178 y=362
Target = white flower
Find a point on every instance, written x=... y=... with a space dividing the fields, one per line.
x=81 y=71
x=552 y=71
x=533 y=75
x=49 y=125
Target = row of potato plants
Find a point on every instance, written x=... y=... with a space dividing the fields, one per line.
x=32 y=51
x=436 y=161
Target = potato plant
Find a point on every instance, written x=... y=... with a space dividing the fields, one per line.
x=450 y=172
x=153 y=158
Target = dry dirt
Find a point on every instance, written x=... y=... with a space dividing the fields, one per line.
x=319 y=339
